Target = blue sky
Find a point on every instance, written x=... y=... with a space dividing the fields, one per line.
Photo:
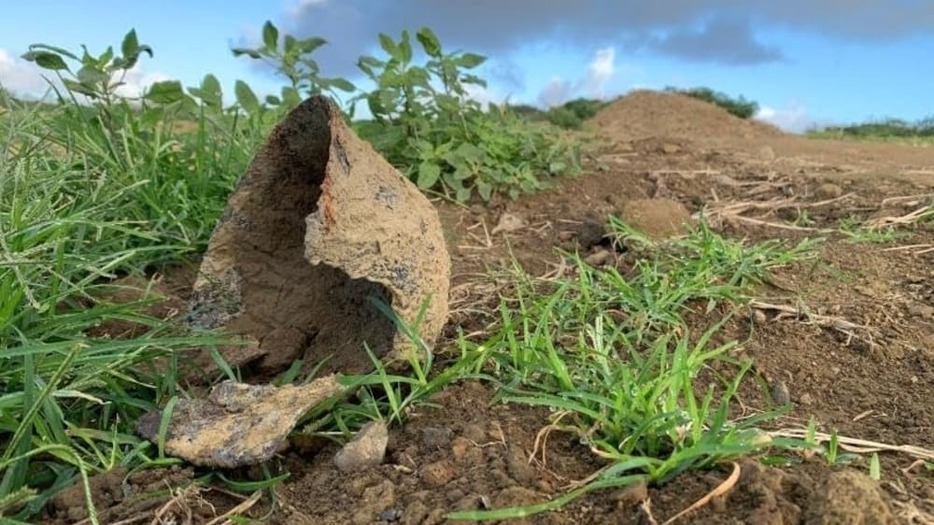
x=805 y=62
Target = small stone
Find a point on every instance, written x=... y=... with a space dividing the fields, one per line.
x=724 y=180
x=766 y=153
x=514 y=497
x=454 y=494
x=460 y=446
x=658 y=218
x=436 y=437
x=806 y=399
x=828 y=191
x=390 y=515
x=780 y=393
x=599 y=258
x=415 y=513
x=670 y=149
x=474 y=433
x=631 y=495
x=438 y=473
x=508 y=222
x=759 y=317
x=366 y=450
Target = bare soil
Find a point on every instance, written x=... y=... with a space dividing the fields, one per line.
x=862 y=364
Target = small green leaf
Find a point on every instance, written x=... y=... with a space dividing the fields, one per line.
x=484 y=189
x=472 y=79
x=389 y=46
x=343 y=84
x=211 y=92
x=78 y=87
x=246 y=97
x=470 y=60
x=405 y=48
x=165 y=92
x=289 y=44
x=270 y=35
x=309 y=45
x=130 y=45
x=429 y=41
x=428 y=175
x=462 y=195
x=57 y=50
x=46 y=60
x=252 y=53
x=91 y=77
x=290 y=97
x=151 y=117
x=273 y=100
x=106 y=56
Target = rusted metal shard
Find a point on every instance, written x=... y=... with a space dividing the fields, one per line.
x=238 y=424
x=320 y=236
x=319 y=227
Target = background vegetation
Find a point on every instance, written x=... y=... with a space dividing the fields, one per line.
x=737 y=106
x=95 y=186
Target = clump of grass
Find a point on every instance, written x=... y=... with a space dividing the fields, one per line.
x=90 y=191
x=857 y=232
x=616 y=359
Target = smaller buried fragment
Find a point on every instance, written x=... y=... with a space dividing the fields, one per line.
x=238 y=424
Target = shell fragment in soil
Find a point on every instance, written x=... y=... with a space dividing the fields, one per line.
x=320 y=243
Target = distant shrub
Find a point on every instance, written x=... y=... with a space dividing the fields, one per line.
x=739 y=106
x=570 y=115
x=885 y=128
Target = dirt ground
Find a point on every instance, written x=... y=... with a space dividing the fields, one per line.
x=861 y=364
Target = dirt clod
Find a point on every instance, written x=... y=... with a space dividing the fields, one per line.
x=849 y=497
x=658 y=218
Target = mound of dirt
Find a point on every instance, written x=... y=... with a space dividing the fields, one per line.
x=652 y=114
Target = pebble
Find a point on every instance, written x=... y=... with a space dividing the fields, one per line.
x=436 y=437
x=367 y=449
x=828 y=191
x=438 y=473
x=599 y=258
x=780 y=393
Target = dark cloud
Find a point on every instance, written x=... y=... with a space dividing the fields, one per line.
x=723 y=39
x=722 y=31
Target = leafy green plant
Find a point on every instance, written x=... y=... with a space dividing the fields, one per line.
x=425 y=122
x=292 y=58
x=139 y=144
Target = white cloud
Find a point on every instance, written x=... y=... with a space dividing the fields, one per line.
x=136 y=81
x=592 y=83
x=20 y=76
x=599 y=73
x=793 y=117
x=483 y=95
